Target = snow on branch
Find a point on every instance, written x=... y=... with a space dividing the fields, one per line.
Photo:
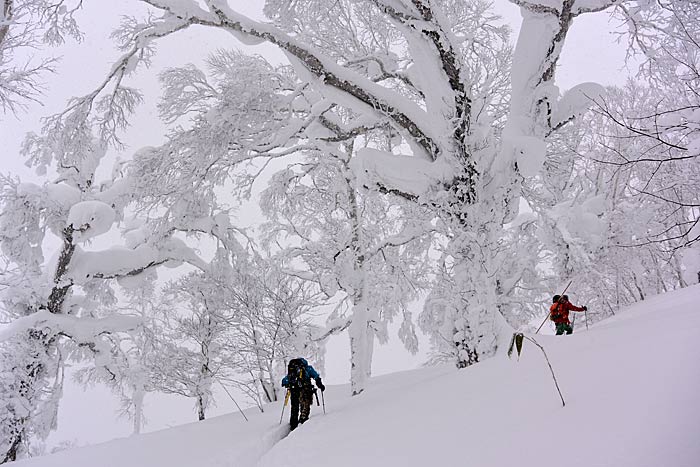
x=556 y=7
x=361 y=92
x=182 y=9
x=575 y=102
x=90 y=218
x=116 y=262
x=82 y=330
x=334 y=327
x=539 y=7
x=111 y=99
x=411 y=176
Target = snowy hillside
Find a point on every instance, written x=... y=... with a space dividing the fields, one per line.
x=630 y=385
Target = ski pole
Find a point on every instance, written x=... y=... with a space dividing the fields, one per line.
x=286 y=398
x=545 y=318
x=540 y=327
x=585 y=315
x=316 y=394
x=324 y=403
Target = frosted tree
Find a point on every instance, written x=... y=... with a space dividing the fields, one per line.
x=618 y=203
x=26 y=25
x=637 y=177
x=269 y=315
x=361 y=250
x=127 y=374
x=668 y=37
x=47 y=303
x=651 y=200
x=190 y=344
x=466 y=142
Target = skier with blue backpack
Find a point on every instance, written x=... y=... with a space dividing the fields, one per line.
x=300 y=391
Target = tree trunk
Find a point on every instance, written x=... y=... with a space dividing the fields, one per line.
x=200 y=407
x=359 y=346
x=45 y=346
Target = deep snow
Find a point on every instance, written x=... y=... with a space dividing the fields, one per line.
x=631 y=385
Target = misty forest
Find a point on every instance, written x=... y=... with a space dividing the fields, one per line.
x=404 y=169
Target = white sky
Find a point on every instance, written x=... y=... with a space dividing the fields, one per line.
x=590 y=54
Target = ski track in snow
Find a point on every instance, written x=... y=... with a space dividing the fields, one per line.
x=250 y=457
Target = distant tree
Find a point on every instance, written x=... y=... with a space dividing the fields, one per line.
x=269 y=315
x=26 y=25
x=364 y=252
x=47 y=303
x=127 y=373
x=189 y=353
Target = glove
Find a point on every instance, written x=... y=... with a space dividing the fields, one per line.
x=320 y=385
x=585 y=308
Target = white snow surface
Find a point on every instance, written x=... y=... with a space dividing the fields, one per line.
x=630 y=384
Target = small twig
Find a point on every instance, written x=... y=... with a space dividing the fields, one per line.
x=556 y=383
x=517 y=341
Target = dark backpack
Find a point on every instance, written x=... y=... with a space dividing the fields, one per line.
x=296 y=374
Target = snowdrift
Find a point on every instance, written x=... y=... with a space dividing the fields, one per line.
x=631 y=386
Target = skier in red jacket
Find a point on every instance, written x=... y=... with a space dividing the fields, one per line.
x=559 y=313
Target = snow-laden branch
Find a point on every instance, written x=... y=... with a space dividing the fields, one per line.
x=332 y=328
x=362 y=94
x=182 y=9
x=594 y=6
x=116 y=262
x=82 y=329
x=398 y=240
x=410 y=176
x=432 y=45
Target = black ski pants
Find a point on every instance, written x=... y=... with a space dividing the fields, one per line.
x=300 y=405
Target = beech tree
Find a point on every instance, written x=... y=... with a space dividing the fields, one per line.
x=436 y=78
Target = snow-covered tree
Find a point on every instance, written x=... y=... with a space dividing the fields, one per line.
x=667 y=35
x=190 y=344
x=432 y=73
x=623 y=185
x=270 y=319
x=127 y=374
x=48 y=302
x=442 y=94
x=26 y=25
x=351 y=241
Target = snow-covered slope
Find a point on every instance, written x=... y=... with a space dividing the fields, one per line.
x=631 y=385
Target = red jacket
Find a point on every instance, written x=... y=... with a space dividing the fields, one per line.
x=561 y=315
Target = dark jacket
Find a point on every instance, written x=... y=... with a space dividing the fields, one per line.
x=308 y=370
